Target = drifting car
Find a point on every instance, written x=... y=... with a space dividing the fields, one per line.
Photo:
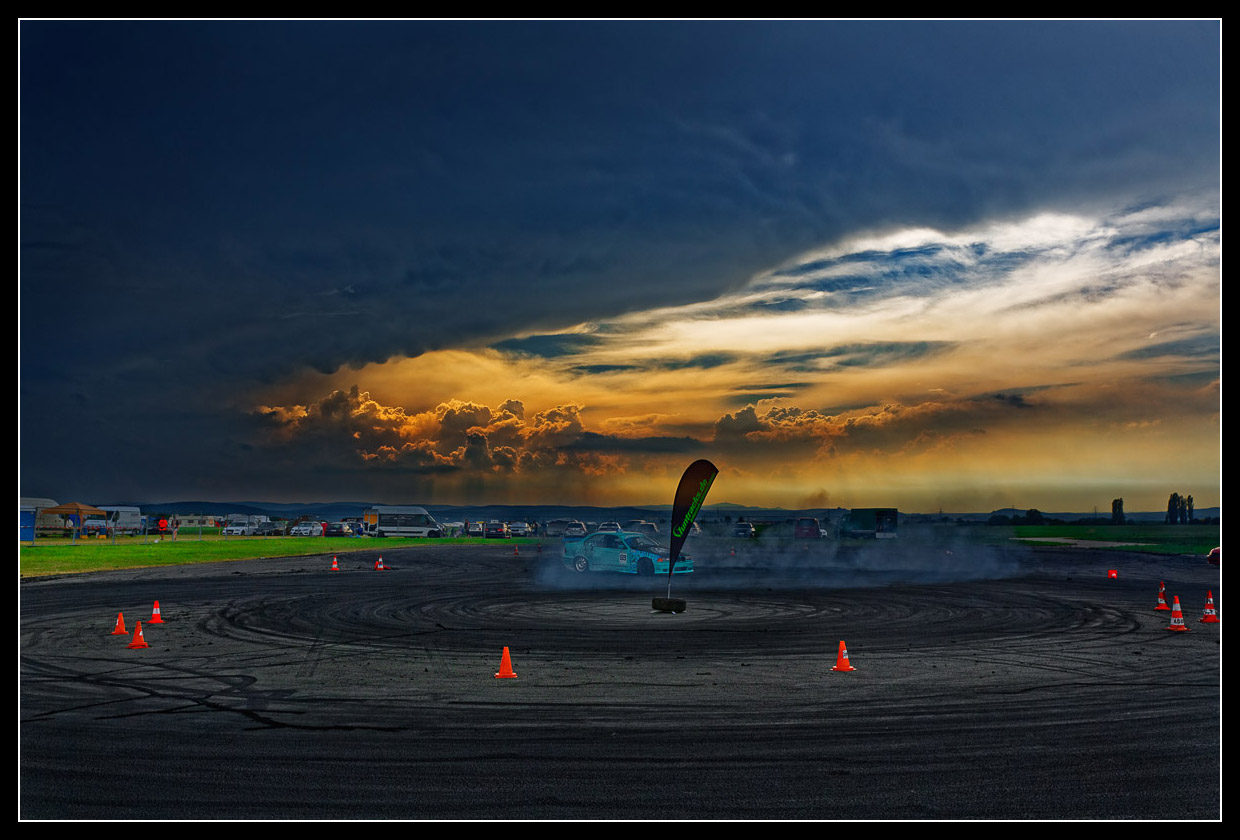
x=634 y=554
x=744 y=530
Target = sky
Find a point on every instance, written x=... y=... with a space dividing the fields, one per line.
x=933 y=265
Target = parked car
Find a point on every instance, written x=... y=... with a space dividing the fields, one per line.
x=556 y=527
x=239 y=529
x=269 y=529
x=95 y=526
x=640 y=526
x=807 y=528
x=497 y=530
x=634 y=554
x=574 y=529
x=306 y=529
x=338 y=529
x=519 y=529
x=476 y=529
x=609 y=528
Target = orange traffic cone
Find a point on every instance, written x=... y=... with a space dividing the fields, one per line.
x=841 y=660
x=505 y=667
x=1162 y=602
x=138 y=640
x=335 y=565
x=379 y=567
x=120 y=626
x=155 y=619
x=1112 y=573
x=1208 y=615
x=1177 y=617
x=515 y=550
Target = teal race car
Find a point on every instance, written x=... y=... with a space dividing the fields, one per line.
x=621 y=551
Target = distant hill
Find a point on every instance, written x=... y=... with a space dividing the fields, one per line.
x=331 y=511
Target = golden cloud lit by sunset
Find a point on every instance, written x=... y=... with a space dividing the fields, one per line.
x=1060 y=374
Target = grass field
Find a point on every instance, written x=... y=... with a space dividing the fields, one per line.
x=63 y=557
x=1151 y=539
x=56 y=556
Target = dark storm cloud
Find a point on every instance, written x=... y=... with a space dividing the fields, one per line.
x=548 y=346
x=210 y=205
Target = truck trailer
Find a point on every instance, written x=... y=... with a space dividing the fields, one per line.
x=870 y=523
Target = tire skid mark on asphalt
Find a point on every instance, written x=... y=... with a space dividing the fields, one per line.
x=175 y=691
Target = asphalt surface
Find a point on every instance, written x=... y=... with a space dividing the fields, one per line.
x=1004 y=684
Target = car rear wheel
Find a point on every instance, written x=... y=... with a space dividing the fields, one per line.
x=581 y=564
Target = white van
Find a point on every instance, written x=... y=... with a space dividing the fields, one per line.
x=400 y=521
x=120 y=519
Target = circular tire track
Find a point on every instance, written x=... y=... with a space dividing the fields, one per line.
x=277 y=690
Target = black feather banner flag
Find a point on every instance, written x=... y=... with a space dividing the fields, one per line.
x=690 y=495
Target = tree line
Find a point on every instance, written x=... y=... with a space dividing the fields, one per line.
x=1180 y=511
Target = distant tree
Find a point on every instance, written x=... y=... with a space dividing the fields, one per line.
x=1034 y=517
x=1188 y=508
x=1173 y=509
x=1117 y=511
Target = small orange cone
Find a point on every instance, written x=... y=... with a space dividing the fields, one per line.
x=138 y=640
x=515 y=551
x=335 y=565
x=505 y=667
x=1112 y=573
x=1177 y=617
x=379 y=567
x=1208 y=615
x=1162 y=602
x=841 y=660
x=155 y=619
x=120 y=626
